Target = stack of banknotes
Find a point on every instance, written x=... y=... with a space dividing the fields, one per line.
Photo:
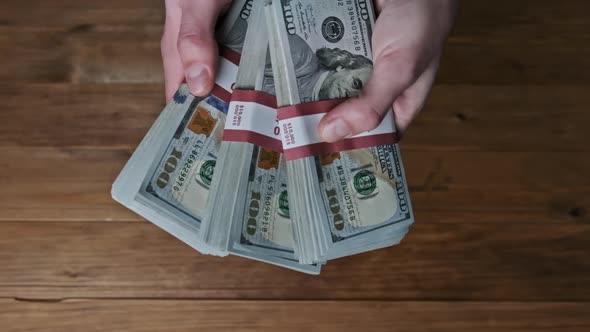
x=243 y=170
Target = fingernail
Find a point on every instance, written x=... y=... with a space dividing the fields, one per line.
x=335 y=130
x=197 y=77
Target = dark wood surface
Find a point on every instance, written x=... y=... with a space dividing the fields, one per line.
x=498 y=166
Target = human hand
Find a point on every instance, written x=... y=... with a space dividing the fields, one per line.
x=407 y=43
x=189 y=49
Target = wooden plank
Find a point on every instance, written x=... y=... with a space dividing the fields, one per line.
x=89 y=42
x=437 y=261
x=119 y=54
x=523 y=42
x=129 y=54
x=100 y=115
x=504 y=13
x=202 y=315
x=523 y=63
x=502 y=118
x=94 y=54
x=541 y=12
x=61 y=184
x=60 y=13
x=457 y=117
x=33 y=55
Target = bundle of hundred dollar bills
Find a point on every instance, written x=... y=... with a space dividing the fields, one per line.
x=243 y=170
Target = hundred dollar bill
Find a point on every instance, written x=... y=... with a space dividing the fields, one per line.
x=233 y=28
x=264 y=230
x=322 y=50
x=265 y=223
x=228 y=184
x=178 y=157
x=183 y=176
x=261 y=226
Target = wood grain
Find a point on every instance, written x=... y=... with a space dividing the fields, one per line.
x=61 y=184
x=174 y=315
x=457 y=117
x=497 y=165
x=437 y=261
x=67 y=115
x=65 y=13
x=73 y=184
x=525 y=43
x=503 y=14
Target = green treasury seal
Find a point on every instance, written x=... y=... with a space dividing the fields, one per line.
x=206 y=171
x=365 y=182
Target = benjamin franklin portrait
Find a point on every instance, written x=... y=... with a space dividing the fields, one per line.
x=329 y=73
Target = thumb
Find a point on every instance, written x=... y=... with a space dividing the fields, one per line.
x=196 y=43
x=393 y=73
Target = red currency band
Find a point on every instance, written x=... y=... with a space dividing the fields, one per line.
x=344 y=145
x=253 y=96
x=232 y=135
x=231 y=55
x=221 y=93
x=314 y=107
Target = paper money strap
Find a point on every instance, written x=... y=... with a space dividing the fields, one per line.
x=252 y=118
x=253 y=115
x=227 y=71
x=300 y=138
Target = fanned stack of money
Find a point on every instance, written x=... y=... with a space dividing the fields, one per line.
x=343 y=202
x=233 y=174
x=249 y=213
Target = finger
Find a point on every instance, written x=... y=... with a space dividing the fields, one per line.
x=173 y=70
x=407 y=106
x=196 y=43
x=393 y=73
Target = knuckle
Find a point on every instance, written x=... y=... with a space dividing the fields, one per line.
x=192 y=34
x=372 y=117
x=197 y=37
x=194 y=31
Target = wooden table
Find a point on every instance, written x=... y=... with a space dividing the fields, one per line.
x=498 y=166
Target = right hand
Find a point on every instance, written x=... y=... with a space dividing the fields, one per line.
x=408 y=41
x=189 y=48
